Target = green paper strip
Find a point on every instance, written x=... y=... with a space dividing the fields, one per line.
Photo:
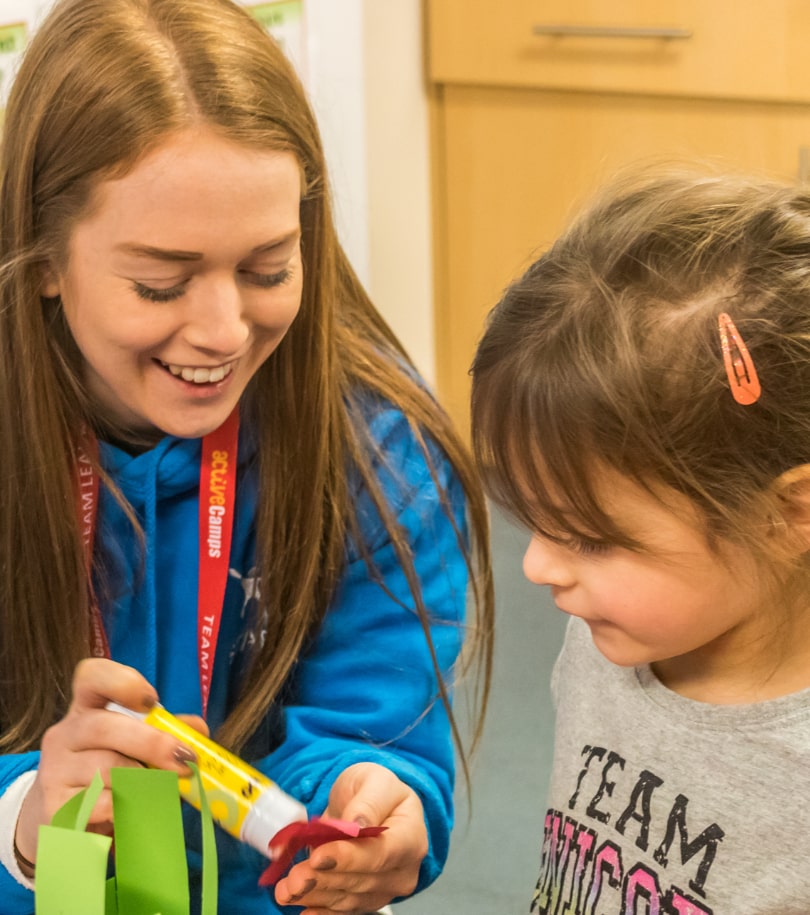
x=71 y=872
x=150 y=855
x=111 y=907
x=75 y=814
x=210 y=878
x=90 y=796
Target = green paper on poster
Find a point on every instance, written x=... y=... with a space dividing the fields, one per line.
x=284 y=20
x=276 y=14
x=13 y=39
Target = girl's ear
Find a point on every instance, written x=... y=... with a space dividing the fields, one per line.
x=792 y=490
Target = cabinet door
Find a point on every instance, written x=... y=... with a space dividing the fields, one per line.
x=513 y=163
x=705 y=48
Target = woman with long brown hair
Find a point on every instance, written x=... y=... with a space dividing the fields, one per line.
x=223 y=484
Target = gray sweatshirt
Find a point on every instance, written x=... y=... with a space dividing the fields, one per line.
x=659 y=805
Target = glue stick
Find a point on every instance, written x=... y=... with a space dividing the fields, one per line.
x=242 y=800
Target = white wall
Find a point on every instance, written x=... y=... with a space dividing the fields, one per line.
x=334 y=76
x=365 y=75
x=399 y=174
x=21 y=10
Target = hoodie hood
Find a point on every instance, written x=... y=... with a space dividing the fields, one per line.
x=149 y=577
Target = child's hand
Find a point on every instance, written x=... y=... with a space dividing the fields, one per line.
x=90 y=739
x=362 y=876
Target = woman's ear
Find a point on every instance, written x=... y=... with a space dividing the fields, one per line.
x=792 y=491
x=49 y=287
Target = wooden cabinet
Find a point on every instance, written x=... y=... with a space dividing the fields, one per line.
x=534 y=104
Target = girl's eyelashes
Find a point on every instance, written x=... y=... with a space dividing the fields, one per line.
x=170 y=293
x=586 y=547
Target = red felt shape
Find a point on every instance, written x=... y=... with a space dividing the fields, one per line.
x=287 y=842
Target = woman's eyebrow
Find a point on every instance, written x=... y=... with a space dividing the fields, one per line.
x=164 y=254
x=177 y=254
x=288 y=237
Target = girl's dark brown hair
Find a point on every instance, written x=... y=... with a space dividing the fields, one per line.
x=606 y=353
x=102 y=83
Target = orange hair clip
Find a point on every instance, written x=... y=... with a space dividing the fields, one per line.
x=742 y=376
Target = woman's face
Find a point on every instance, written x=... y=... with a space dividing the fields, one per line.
x=182 y=279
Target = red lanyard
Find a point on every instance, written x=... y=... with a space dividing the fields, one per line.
x=217 y=503
x=217 y=489
x=88 y=506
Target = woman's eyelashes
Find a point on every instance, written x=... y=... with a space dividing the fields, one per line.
x=268 y=280
x=151 y=294
x=170 y=293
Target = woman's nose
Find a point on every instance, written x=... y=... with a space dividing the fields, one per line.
x=216 y=321
x=547 y=563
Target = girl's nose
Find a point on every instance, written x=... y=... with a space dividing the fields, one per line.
x=547 y=563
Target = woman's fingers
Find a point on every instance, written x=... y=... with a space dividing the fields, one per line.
x=361 y=876
x=195 y=722
x=97 y=681
x=92 y=738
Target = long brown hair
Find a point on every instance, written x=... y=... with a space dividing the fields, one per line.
x=102 y=83
x=606 y=353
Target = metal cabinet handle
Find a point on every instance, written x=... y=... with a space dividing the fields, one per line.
x=595 y=31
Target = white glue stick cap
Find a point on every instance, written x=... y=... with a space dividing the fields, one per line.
x=273 y=810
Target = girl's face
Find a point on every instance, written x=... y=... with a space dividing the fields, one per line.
x=677 y=600
x=180 y=281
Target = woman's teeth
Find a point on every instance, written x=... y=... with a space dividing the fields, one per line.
x=200 y=375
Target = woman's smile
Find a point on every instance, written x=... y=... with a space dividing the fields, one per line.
x=200 y=374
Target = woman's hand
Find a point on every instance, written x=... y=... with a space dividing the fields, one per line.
x=90 y=739
x=362 y=876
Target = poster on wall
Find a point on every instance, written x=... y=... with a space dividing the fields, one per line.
x=13 y=39
x=284 y=20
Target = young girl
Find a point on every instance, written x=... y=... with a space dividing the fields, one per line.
x=640 y=402
x=221 y=476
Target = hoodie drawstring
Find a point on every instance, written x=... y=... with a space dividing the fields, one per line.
x=150 y=660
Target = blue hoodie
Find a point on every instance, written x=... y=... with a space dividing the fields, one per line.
x=358 y=692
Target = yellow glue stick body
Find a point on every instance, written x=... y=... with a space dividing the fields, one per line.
x=243 y=801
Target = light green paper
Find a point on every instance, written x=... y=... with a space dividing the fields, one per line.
x=71 y=872
x=89 y=797
x=150 y=855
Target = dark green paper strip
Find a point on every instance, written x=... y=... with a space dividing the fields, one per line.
x=210 y=876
